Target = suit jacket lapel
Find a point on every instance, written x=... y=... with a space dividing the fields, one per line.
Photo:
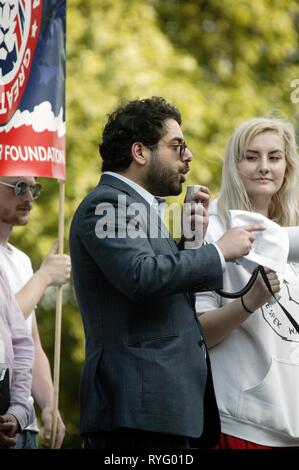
x=158 y=225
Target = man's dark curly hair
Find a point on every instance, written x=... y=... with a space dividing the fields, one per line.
x=135 y=121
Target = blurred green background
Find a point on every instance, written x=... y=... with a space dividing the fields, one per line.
x=218 y=61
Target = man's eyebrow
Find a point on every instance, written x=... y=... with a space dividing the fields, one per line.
x=179 y=139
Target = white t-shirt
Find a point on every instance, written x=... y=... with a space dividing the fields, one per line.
x=18 y=269
x=256 y=368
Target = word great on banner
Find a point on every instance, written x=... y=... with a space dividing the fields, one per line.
x=21 y=23
x=32 y=88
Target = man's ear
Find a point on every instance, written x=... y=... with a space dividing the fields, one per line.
x=139 y=153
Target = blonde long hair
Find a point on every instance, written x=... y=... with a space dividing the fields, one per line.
x=284 y=205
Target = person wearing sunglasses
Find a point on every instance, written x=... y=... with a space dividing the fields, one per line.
x=16 y=198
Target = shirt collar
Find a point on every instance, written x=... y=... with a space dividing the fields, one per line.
x=139 y=189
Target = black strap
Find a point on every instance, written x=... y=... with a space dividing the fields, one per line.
x=266 y=281
x=235 y=295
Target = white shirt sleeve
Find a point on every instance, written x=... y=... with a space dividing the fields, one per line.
x=223 y=263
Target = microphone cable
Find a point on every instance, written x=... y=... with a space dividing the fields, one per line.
x=248 y=286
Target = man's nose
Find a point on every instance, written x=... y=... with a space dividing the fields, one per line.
x=27 y=195
x=187 y=157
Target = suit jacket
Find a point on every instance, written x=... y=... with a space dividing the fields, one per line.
x=146 y=363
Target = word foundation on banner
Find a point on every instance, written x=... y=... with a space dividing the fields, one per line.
x=36 y=153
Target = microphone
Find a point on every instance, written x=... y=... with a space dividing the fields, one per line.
x=194 y=188
x=197 y=238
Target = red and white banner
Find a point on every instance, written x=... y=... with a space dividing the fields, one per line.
x=32 y=88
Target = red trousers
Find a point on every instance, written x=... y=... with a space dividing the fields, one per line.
x=231 y=442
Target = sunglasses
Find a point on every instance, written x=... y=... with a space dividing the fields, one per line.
x=21 y=188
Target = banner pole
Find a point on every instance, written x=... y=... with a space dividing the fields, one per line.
x=58 y=317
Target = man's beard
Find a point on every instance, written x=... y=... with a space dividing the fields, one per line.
x=162 y=180
x=12 y=219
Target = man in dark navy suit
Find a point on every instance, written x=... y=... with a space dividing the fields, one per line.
x=146 y=381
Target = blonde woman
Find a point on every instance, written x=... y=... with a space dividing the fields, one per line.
x=255 y=356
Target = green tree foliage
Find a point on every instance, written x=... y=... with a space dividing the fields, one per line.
x=248 y=54
x=219 y=61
